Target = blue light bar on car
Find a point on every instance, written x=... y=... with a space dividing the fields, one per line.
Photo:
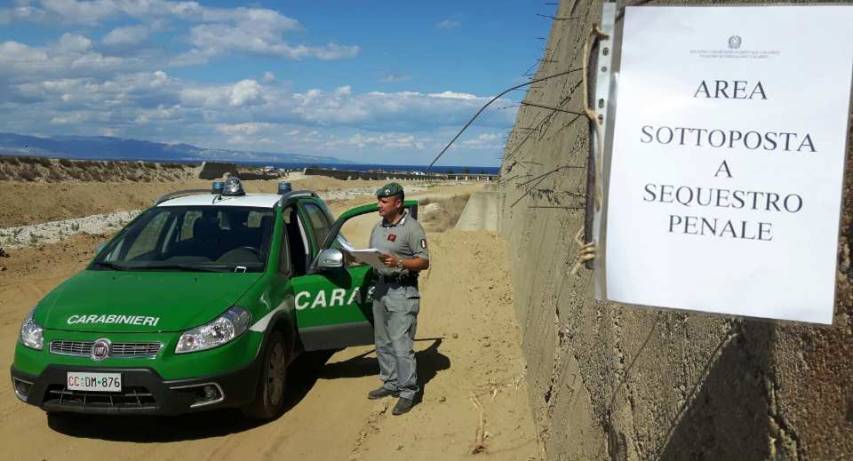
x=217 y=187
x=284 y=187
x=233 y=187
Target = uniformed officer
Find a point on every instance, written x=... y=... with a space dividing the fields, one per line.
x=396 y=300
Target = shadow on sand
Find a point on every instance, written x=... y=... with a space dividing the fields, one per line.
x=430 y=362
x=302 y=375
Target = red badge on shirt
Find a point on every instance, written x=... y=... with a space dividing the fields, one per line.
x=392 y=237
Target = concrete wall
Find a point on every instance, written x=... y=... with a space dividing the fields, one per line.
x=609 y=381
x=481 y=212
x=389 y=175
x=215 y=170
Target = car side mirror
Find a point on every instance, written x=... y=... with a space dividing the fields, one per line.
x=330 y=259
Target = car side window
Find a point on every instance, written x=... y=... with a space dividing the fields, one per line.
x=318 y=221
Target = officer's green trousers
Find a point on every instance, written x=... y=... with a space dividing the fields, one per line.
x=395 y=315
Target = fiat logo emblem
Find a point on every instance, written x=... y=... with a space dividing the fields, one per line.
x=101 y=349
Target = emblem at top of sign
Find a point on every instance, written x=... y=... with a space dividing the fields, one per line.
x=735 y=41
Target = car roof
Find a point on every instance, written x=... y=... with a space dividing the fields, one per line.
x=248 y=200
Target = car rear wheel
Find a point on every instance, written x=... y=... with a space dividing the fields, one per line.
x=269 y=398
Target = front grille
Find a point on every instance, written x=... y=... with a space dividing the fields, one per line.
x=81 y=348
x=135 y=397
x=117 y=350
x=129 y=350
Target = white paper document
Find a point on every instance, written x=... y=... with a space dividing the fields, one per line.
x=725 y=179
x=369 y=256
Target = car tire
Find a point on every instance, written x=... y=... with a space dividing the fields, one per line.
x=270 y=394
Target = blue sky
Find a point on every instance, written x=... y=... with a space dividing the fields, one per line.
x=378 y=82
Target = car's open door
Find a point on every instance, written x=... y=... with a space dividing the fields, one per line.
x=334 y=307
x=410 y=205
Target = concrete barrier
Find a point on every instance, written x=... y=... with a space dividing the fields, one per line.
x=215 y=170
x=482 y=212
x=390 y=175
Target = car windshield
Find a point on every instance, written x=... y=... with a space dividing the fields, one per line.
x=192 y=238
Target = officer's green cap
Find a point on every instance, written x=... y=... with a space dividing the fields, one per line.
x=389 y=190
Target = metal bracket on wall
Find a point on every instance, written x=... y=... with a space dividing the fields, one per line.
x=600 y=73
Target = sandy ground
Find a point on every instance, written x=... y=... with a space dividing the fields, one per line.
x=32 y=202
x=54 y=231
x=468 y=356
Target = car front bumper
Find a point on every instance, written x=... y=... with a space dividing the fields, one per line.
x=143 y=391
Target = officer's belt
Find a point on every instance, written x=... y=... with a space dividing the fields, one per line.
x=399 y=279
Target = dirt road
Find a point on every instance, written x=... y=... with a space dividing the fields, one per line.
x=469 y=363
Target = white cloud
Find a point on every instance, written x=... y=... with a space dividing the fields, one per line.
x=71 y=55
x=245 y=92
x=217 y=31
x=332 y=51
x=129 y=35
x=83 y=12
x=454 y=95
x=23 y=11
x=248 y=128
x=485 y=141
x=159 y=77
x=264 y=37
x=159 y=114
x=131 y=92
x=199 y=97
x=73 y=43
x=448 y=24
x=81 y=84
x=96 y=79
x=405 y=108
x=221 y=97
x=17 y=55
x=394 y=77
x=246 y=134
x=93 y=12
x=149 y=97
x=384 y=140
x=69 y=119
x=249 y=142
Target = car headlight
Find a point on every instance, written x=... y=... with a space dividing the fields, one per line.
x=32 y=335
x=226 y=327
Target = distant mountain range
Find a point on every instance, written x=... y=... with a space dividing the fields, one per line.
x=105 y=147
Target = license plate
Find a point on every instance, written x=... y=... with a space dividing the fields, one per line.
x=94 y=382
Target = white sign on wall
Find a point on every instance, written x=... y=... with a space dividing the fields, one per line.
x=728 y=156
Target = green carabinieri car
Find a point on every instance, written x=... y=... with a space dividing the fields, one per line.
x=201 y=302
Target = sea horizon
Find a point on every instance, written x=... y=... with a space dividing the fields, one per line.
x=350 y=166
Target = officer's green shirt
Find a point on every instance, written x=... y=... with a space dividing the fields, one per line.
x=404 y=240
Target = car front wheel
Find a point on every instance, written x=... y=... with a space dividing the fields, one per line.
x=269 y=397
